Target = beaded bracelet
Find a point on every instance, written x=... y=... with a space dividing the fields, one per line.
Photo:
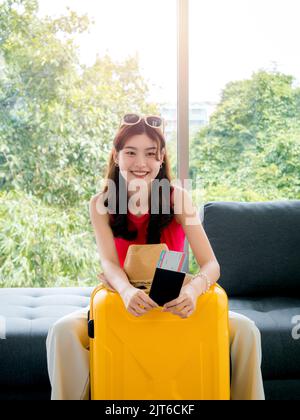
x=205 y=276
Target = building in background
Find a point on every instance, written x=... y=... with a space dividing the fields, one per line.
x=200 y=113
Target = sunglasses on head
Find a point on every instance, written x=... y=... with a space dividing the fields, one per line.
x=152 y=121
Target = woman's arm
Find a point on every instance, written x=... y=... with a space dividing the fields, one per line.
x=188 y=217
x=106 y=247
x=136 y=301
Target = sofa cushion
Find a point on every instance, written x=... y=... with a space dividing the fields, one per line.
x=27 y=315
x=286 y=390
x=257 y=246
x=274 y=318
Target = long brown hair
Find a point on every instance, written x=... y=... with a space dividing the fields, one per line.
x=118 y=222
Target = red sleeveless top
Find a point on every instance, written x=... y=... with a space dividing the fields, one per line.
x=173 y=235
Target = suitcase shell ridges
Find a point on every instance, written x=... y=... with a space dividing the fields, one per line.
x=159 y=355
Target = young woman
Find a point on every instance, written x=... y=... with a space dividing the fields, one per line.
x=139 y=157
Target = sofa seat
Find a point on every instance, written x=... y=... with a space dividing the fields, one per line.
x=280 y=351
x=28 y=314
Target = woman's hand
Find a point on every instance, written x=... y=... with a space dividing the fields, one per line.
x=136 y=301
x=185 y=305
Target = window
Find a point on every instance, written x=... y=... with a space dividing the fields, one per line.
x=244 y=99
x=65 y=81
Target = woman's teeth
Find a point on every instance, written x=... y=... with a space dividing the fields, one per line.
x=140 y=173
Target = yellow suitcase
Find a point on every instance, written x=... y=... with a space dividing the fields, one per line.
x=159 y=356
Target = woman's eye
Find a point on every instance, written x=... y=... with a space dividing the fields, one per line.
x=132 y=154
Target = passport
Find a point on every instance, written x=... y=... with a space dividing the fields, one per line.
x=168 y=277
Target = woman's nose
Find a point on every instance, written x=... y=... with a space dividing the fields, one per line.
x=140 y=161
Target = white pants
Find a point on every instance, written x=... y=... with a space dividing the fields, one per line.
x=68 y=358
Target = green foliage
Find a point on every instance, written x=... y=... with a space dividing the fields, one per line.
x=57 y=123
x=250 y=148
x=58 y=117
x=42 y=246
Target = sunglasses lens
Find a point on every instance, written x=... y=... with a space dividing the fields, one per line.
x=131 y=118
x=154 y=121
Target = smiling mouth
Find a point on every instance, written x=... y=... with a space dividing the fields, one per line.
x=140 y=174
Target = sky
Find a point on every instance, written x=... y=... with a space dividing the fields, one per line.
x=229 y=39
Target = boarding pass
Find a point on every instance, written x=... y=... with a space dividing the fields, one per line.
x=171 y=260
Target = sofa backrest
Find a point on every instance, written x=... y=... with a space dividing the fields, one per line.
x=257 y=246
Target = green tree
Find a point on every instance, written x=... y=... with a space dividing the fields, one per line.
x=58 y=117
x=57 y=122
x=252 y=141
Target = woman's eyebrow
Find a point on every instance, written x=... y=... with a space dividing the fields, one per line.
x=135 y=148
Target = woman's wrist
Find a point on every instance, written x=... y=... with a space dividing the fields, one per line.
x=201 y=283
x=125 y=289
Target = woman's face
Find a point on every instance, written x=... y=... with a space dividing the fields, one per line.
x=137 y=160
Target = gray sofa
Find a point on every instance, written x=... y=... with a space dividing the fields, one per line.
x=258 y=248
x=28 y=315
